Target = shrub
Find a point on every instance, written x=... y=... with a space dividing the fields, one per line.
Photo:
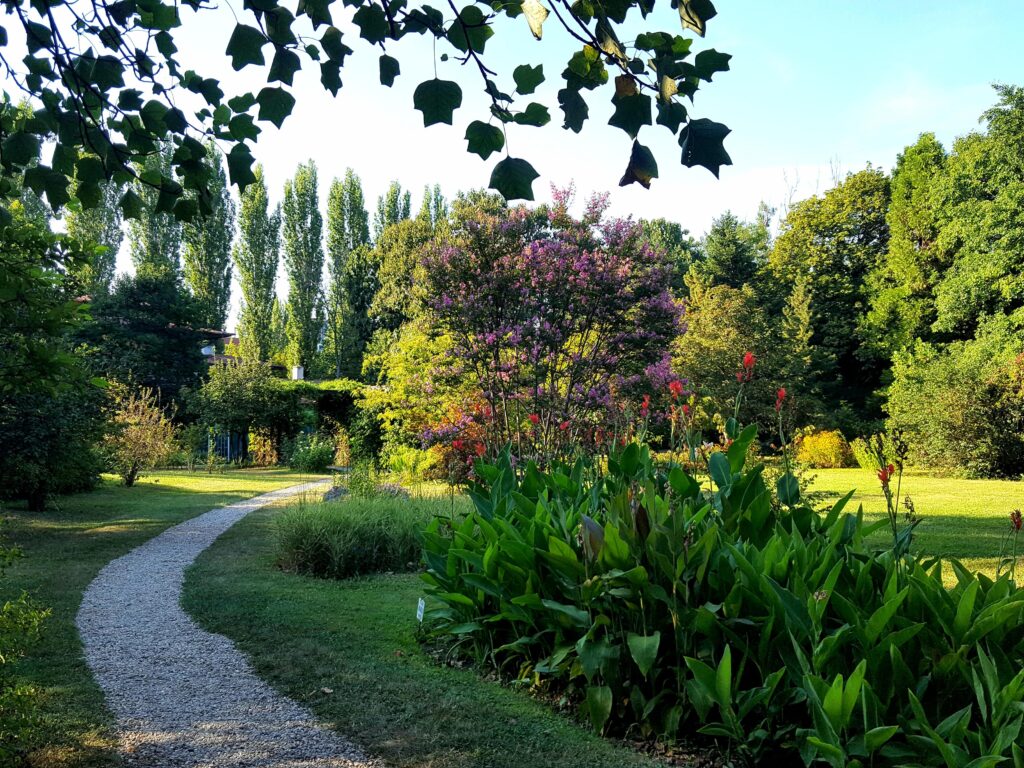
x=338 y=539
x=312 y=453
x=823 y=450
x=20 y=624
x=660 y=607
x=262 y=450
x=141 y=437
x=413 y=465
x=362 y=480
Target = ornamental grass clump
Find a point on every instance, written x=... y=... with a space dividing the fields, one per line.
x=666 y=605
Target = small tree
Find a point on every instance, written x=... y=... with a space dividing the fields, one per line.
x=142 y=436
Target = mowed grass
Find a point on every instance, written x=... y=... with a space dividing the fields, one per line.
x=347 y=649
x=64 y=549
x=965 y=519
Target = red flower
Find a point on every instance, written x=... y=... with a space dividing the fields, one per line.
x=1016 y=520
x=746 y=373
x=534 y=419
x=457 y=445
x=480 y=449
x=780 y=396
x=886 y=474
x=686 y=410
x=564 y=425
x=645 y=405
x=676 y=388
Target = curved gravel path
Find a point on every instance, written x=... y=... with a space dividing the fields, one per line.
x=183 y=696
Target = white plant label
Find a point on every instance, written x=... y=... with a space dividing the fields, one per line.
x=420 y=607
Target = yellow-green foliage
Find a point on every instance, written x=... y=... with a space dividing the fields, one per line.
x=824 y=450
x=412 y=465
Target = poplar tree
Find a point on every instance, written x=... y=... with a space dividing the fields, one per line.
x=347 y=229
x=304 y=263
x=207 y=254
x=100 y=226
x=392 y=207
x=256 y=255
x=434 y=208
x=154 y=237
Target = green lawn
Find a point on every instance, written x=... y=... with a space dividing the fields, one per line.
x=64 y=549
x=347 y=649
x=966 y=519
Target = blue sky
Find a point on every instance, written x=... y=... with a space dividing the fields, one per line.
x=815 y=86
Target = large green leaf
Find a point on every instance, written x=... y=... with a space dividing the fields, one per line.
x=372 y=23
x=535 y=114
x=599 y=705
x=644 y=650
x=694 y=14
x=701 y=141
x=470 y=30
x=389 y=70
x=513 y=178
x=632 y=112
x=245 y=46
x=437 y=100
x=484 y=139
x=642 y=167
x=527 y=78
x=275 y=105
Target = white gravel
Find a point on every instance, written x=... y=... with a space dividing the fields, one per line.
x=183 y=696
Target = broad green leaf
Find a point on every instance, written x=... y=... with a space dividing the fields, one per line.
x=883 y=615
x=484 y=139
x=574 y=108
x=372 y=23
x=701 y=142
x=389 y=70
x=131 y=205
x=599 y=705
x=644 y=650
x=535 y=114
x=642 y=167
x=20 y=148
x=723 y=679
x=330 y=76
x=631 y=113
x=671 y=115
x=470 y=30
x=721 y=472
x=275 y=105
x=709 y=62
x=245 y=46
x=876 y=737
x=331 y=43
x=513 y=178
x=437 y=100
x=788 y=488
x=240 y=162
x=284 y=66
x=535 y=14
x=527 y=78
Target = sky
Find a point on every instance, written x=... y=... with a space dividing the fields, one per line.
x=817 y=88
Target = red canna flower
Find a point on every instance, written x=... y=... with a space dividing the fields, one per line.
x=480 y=449
x=534 y=419
x=564 y=425
x=1016 y=520
x=886 y=474
x=644 y=406
x=686 y=411
x=746 y=373
x=457 y=445
x=780 y=397
x=676 y=388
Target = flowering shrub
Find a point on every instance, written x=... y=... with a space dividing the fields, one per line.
x=559 y=323
x=312 y=453
x=823 y=450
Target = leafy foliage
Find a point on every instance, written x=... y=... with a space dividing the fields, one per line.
x=107 y=79
x=311 y=453
x=664 y=608
x=141 y=437
x=304 y=263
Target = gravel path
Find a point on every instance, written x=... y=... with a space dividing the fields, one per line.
x=183 y=696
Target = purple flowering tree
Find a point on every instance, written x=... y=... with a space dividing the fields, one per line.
x=561 y=322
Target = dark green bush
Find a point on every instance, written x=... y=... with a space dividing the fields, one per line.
x=338 y=539
x=666 y=609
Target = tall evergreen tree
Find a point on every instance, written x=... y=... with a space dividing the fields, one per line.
x=347 y=229
x=733 y=251
x=100 y=226
x=361 y=285
x=392 y=207
x=207 y=255
x=154 y=238
x=256 y=255
x=304 y=263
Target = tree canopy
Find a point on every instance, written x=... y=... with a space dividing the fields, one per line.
x=105 y=79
